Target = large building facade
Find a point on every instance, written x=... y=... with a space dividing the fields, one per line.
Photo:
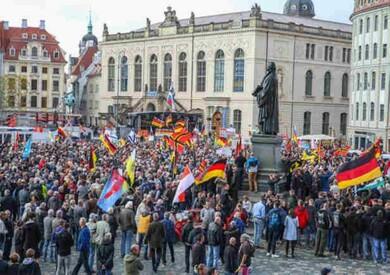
x=369 y=106
x=216 y=62
x=33 y=69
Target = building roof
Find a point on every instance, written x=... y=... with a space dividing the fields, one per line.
x=12 y=37
x=84 y=61
x=277 y=17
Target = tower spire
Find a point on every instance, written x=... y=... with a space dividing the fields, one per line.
x=90 y=23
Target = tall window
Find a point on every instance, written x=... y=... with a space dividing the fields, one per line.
x=372 y=111
x=33 y=101
x=358 y=81
x=111 y=74
x=309 y=83
x=124 y=74
x=384 y=51
x=237 y=116
x=344 y=87
x=167 y=71
x=383 y=81
x=239 y=70
x=306 y=123
x=367 y=52
x=360 y=26
x=327 y=83
x=153 y=73
x=373 y=80
x=34 y=51
x=343 y=124
x=360 y=53
x=307 y=51
x=382 y=112
x=201 y=72
x=325 y=123
x=183 y=72
x=326 y=53
x=385 y=22
x=368 y=24
x=364 y=111
x=376 y=23
x=138 y=74
x=313 y=50
x=219 y=71
x=331 y=53
x=375 y=52
x=357 y=111
x=365 y=81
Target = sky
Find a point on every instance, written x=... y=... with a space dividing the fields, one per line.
x=67 y=19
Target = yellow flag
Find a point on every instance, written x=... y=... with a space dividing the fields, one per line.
x=130 y=167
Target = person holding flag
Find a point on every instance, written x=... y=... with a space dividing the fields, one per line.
x=113 y=190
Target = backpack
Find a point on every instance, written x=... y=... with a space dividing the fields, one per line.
x=323 y=220
x=274 y=220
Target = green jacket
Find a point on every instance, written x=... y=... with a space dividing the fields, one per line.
x=132 y=265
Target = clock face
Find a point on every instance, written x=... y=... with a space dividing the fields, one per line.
x=304 y=7
x=293 y=7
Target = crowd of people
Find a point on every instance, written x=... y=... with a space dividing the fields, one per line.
x=49 y=208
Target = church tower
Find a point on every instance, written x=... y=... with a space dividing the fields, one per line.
x=89 y=39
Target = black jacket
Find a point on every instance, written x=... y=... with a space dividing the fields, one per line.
x=64 y=242
x=186 y=233
x=31 y=235
x=379 y=228
x=105 y=255
x=198 y=254
x=29 y=267
x=231 y=259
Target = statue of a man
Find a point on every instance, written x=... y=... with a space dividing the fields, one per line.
x=267 y=100
x=69 y=100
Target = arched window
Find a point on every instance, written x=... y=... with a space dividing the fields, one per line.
x=201 y=72
x=239 y=71
x=153 y=73
x=375 y=51
x=372 y=111
x=183 y=72
x=309 y=83
x=237 y=117
x=343 y=124
x=124 y=74
x=357 y=111
x=306 y=123
x=219 y=71
x=344 y=86
x=325 y=123
x=364 y=111
x=167 y=71
x=327 y=83
x=138 y=74
x=373 y=80
x=365 y=81
x=111 y=74
x=34 y=51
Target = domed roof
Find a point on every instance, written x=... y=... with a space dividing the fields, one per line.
x=90 y=37
x=304 y=8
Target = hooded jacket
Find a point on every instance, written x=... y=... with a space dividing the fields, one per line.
x=105 y=255
x=132 y=265
x=31 y=235
x=29 y=267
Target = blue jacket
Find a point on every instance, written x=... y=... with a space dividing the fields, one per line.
x=251 y=162
x=84 y=239
x=169 y=229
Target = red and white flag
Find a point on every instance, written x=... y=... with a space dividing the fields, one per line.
x=186 y=181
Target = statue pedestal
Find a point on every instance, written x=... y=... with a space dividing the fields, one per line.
x=267 y=150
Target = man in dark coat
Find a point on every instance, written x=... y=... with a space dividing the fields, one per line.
x=231 y=257
x=31 y=234
x=64 y=242
x=155 y=238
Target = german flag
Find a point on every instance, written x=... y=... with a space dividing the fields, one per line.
x=111 y=148
x=221 y=141
x=156 y=122
x=361 y=170
x=216 y=170
x=92 y=160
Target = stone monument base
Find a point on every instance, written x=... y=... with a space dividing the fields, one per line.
x=267 y=150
